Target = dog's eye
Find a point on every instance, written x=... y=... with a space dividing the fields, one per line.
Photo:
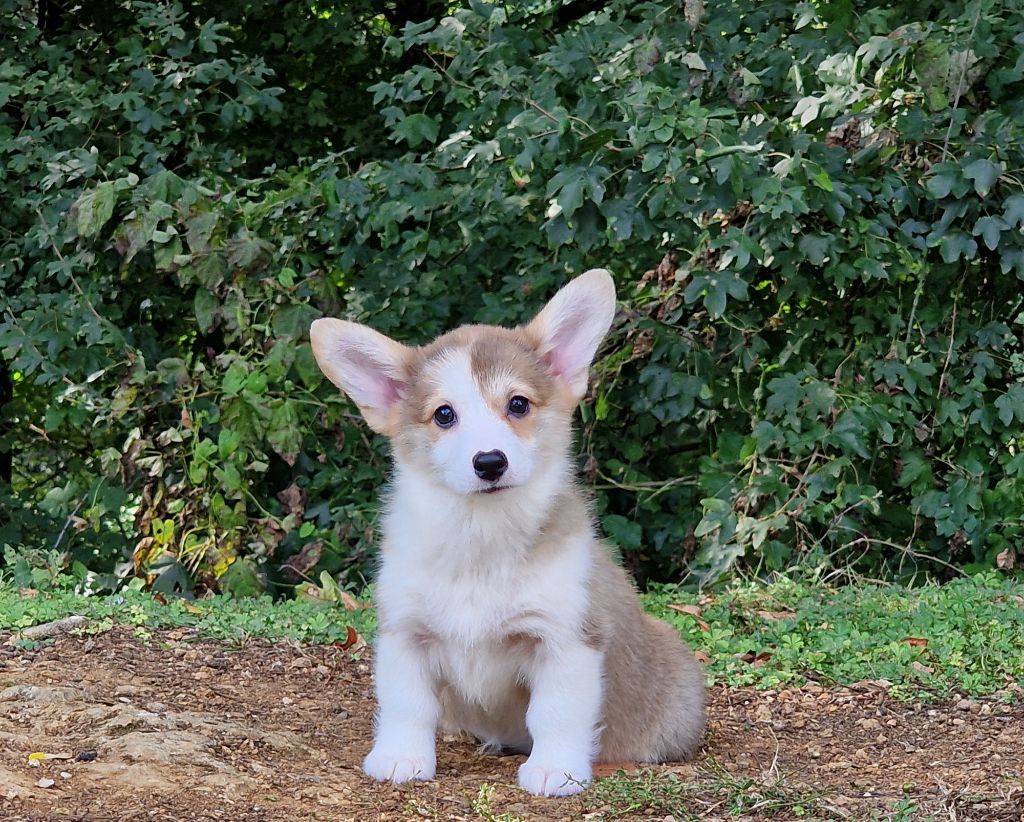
x=444 y=416
x=518 y=406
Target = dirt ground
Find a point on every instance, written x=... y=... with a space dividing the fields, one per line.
x=178 y=728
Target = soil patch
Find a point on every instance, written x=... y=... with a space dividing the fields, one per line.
x=179 y=728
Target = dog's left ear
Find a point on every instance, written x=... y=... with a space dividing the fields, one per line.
x=571 y=326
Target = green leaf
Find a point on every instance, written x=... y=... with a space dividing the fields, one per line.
x=1013 y=212
x=784 y=395
x=816 y=247
x=284 y=433
x=626 y=534
x=94 y=208
x=228 y=442
x=242 y=579
x=990 y=228
x=293 y=321
x=984 y=173
x=957 y=244
x=235 y=379
x=207 y=310
x=418 y=128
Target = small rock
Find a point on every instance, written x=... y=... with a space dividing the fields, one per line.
x=964 y=705
x=870 y=724
x=65 y=775
x=958 y=721
x=301 y=662
x=323 y=670
x=156 y=707
x=45 y=783
x=287 y=700
x=85 y=756
x=125 y=690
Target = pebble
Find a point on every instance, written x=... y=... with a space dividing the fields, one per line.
x=45 y=783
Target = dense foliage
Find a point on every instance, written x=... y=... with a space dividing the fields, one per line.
x=813 y=213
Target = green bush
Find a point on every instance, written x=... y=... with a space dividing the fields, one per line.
x=813 y=215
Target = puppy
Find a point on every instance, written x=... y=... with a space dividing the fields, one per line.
x=501 y=613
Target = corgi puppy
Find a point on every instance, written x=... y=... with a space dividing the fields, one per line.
x=501 y=613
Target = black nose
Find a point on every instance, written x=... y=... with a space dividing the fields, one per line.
x=490 y=465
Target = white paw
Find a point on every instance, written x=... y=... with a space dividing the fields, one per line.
x=388 y=766
x=553 y=780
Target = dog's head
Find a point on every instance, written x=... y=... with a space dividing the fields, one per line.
x=482 y=408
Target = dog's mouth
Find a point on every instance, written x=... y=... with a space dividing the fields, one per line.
x=494 y=489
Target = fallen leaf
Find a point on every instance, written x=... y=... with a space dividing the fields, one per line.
x=1006 y=559
x=293 y=499
x=773 y=615
x=36 y=757
x=924 y=669
x=916 y=642
x=353 y=642
x=689 y=610
x=349 y=602
x=612 y=768
x=756 y=660
x=702 y=657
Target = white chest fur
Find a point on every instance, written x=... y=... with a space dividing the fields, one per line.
x=469 y=582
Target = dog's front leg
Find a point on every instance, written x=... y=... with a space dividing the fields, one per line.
x=403 y=746
x=563 y=717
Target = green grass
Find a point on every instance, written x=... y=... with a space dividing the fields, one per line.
x=966 y=636
x=654 y=794
x=219 y=617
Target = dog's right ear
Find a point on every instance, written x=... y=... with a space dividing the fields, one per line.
x=371 y=368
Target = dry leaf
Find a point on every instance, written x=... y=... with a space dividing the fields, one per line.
x=689 y=610
x=924 y=669
x=36 y=757
x=1006 y=559
x=611 y=768
x=702 y=657
x=756 y=660
x=349 y=602
x=773 y=615
x=353 y=642
x=293 y=500
x=916 y=642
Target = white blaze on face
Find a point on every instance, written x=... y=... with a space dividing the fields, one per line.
x=481 y=425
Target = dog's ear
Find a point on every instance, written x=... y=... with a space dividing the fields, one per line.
x=571 y=326
x=371 y=368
